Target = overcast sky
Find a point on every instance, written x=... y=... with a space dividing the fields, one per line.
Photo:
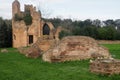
x=74 y=9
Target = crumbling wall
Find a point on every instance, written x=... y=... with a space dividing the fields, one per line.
x=75 y=48
x=38 y=48
x=22 y=32
x=105 y=66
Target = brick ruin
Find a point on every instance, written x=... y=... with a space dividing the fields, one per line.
x=105 y=66
x=43 y=40
x=73 y=48
x=25 y=35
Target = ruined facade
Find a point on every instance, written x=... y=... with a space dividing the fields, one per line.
x=25 y=35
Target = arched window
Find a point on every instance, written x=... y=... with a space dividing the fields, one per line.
x=46 y=30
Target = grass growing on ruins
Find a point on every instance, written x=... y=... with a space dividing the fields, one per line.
x=14 y=66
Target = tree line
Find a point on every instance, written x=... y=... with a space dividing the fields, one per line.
x=5 y=33
x=101 y=30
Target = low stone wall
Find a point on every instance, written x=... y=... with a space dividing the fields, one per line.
x=105 y=66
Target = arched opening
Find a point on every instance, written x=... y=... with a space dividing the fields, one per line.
x=46 y=30
x=14 y=37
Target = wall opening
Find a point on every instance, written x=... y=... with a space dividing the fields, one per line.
x=46 y=30
x=14 y=37
x=30 y=39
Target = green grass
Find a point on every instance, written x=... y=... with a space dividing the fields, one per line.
x=114 y=50
x=15 y=66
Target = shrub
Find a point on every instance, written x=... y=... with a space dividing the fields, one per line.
x=28 y=19
x=18 y=17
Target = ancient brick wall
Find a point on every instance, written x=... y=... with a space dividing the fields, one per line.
x=75 y=48
x=105 y=66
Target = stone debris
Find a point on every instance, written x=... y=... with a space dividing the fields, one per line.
x=75 y=48
x=4 y=51
x=45 y=43
x=105 y=66
x=32 y=51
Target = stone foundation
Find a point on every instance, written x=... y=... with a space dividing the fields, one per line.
x=105 y=66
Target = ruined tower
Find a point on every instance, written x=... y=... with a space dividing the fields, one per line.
x=15 y=7
x=26 y=34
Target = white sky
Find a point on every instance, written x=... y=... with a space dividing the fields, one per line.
x=74 y=9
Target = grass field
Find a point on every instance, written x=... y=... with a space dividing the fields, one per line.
x=14 y=66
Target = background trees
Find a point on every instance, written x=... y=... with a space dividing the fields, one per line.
x=5 y=33
x=101 y=30
x=105 y=30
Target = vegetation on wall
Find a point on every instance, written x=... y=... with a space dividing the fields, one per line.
x=27 y=19
x=18 y=17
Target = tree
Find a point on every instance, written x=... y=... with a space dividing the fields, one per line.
x=117 y=35
x=1 y=32
x=97 y=23
x=87 y=22
x=117 y=24
x=91 y=31
x=111 y=33
x=102 y=33
x=107 y=33
x=64 y=33
x=5 y=33
x=9 y=33
x=109 y=22
x=78 y=31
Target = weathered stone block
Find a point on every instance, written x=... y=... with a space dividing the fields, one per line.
x=4 y=51
x=32 y=51
x=105 y=66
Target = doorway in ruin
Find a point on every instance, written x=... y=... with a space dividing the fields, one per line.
x=30 y=39
x=46 y=30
